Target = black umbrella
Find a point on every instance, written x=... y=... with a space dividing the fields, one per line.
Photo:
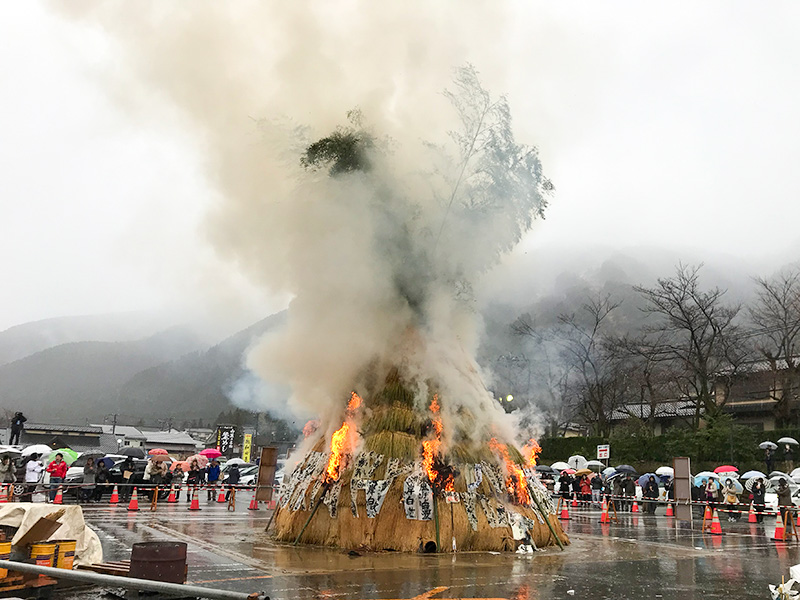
x=133 y=452
x=544 y=469
x=625 y=469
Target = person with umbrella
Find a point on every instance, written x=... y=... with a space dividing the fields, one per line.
x=769 y=453
x=758 y=493
x=58 y=470
x=784 y=498
x=212 y=478
x=629 y=490
x=564 y=485
x=730 y=496
x=7 y=470
x=233 y=479
x=89 y=480
x=597 y=490
x=194 y=478
x=651 y=493
x=788 y=458
x=33 y=473
x=101 y=478
x=126 y=469
x=711 y=492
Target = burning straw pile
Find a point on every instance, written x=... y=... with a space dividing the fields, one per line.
x=384 y=481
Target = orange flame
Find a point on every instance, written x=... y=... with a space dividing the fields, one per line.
x=341 y=444
x=531 y=451
x=430 y=448
x=516 y=484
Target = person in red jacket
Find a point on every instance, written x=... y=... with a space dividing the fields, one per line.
x=58 y=470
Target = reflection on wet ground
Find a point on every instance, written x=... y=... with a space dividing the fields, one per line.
x=641 y=556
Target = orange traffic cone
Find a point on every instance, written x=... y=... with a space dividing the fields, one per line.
x=604 y=518
x=751 y=515
x=670 y=512
x=171 y=498
x=253 y=503
x=134 y=503
x=271 y=504
x=3 y=494
x=59 y=499
x=706 y=516
x=221 y=496
x=195 y=505
x=564 y=516
x=780 y=532
x=716 y=527
x=635 y=507
x=574 y=501
x=114 y=496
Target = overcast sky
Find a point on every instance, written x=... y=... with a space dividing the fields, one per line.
x=675 y=127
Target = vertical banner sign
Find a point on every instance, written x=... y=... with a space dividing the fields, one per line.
x=225 y=436
x=246 y=447
x=603 y=451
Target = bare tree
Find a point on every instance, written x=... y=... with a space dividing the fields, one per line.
x=596 y=383
x=543 y=372
x=776 y=316
x=652 y=379
x=696 y=332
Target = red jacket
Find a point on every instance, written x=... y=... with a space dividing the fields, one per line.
x=57 y=469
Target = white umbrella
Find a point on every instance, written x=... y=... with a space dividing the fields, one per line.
x=752 y=481
x=577 y=462
x=37 y=449
x=788 y=440
x=795 y=473
x=779 y=474
x=594 y=463
x=237 y=461
x=768 y=444
x=665 y=471
x=560 y=466
x=608 y=471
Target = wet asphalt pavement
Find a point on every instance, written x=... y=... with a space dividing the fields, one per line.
x=642 y=556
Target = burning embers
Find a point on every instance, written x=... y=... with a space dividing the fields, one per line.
x=440 y=475
x=516 y=484
x=341 y=441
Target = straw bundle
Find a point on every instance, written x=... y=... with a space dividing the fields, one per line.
x=391 y=530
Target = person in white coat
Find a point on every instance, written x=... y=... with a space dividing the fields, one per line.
x=33 y=472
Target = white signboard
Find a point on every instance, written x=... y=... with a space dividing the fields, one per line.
x=603 y=451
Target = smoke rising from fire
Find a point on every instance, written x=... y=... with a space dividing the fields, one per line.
x=381 y=262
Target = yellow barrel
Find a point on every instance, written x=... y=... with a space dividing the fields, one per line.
x=5 y=554
x=42 y=554
x=64 y=554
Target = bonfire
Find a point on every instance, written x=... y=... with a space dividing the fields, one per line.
x=385 y=480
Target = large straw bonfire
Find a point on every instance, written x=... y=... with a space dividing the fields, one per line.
x=419 y=456
x=383 y=482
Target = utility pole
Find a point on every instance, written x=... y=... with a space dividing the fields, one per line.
x=114 y=425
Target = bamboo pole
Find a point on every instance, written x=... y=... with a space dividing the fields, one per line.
x=546 y=516
x=311 y=516
x=436 y=522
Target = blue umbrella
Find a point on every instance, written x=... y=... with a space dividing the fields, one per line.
x=107 y=461
x=751 y=474
x=701 y=478
x=642 y=481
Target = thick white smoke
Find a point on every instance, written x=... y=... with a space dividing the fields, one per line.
x=380 y=261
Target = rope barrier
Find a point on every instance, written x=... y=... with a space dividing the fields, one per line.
x=718 y=504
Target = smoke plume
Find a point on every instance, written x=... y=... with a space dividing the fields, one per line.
x=380 y=256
